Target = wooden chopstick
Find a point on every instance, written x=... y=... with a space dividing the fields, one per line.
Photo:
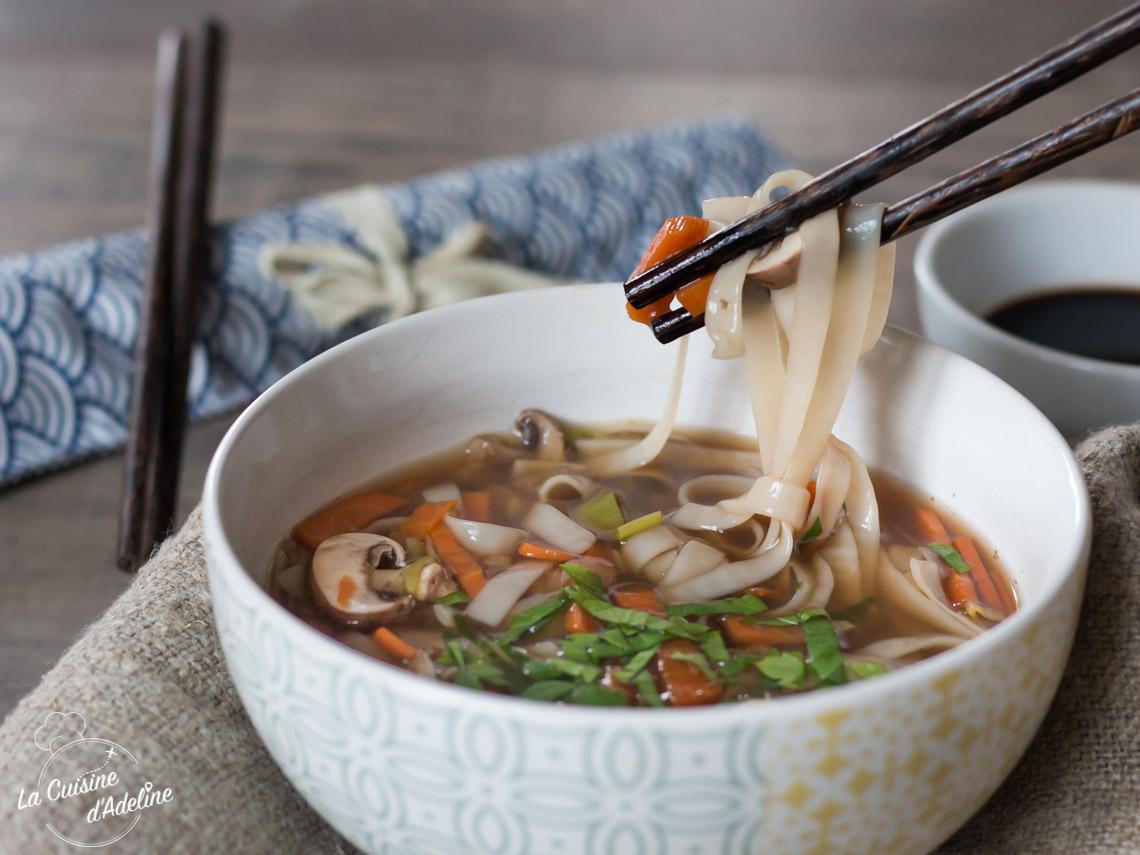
x=150 y=355
x=191 y=257
x=182 y=156
x=1002 y=96
x=1040 y=154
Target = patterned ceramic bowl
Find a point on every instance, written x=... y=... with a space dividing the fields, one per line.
x=400 y=764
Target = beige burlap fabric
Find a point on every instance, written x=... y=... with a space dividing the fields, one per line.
x=149 y=676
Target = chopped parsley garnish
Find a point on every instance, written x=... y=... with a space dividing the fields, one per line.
x=950 y=555
x=588 y=579
x=866 y=670
x=824 y=658
x=786 y=668
x=454 y=598
x=812 y=533
x=855 y=613
x=749 y=604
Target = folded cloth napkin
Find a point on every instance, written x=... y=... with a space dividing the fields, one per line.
x=69 y=315
x=149 y=676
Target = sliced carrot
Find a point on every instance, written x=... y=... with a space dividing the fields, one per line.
x=477 y=505
x=960 y=589
x=351 y=514
x=931 y=527
x=639 y=600
x=811 y=493
x=466 y=569
x=393 y=643
x=740 y=631
x=579 y=620
x=676 y=235
x=546 y=553
x=982 y=578
x=695 y=296
x=685 y=684
x=599 y=550
x=761 y=592
x=423 y=519
x=345 y=590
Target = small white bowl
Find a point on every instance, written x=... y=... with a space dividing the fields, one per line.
x=400 y=764
x=1046 y=236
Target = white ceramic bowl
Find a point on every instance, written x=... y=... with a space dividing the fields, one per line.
x=401 y=764
x=1041 y=237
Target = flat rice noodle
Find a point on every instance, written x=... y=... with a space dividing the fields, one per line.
x=863 y=517
x=646 y=545
x=656 y=569
x=485 y=539
x=831 y=487
x=550 y=524
x=496 y=598
x=881 y=298
x=842 y=557
x=928 y=579
x=567 y=487
x=695 y=558
x=723 y=312
x=647 y=449
x=803 y=596
x=694 y=517
x=824 y=583
x=384 y=525
x=913 y=610
x=729 y=578
x=772 y=497
x=889 y=649
x=448 y=492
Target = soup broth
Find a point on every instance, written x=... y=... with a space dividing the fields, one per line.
x=600 y=623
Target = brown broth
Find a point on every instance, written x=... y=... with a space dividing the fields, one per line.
x=649 y=489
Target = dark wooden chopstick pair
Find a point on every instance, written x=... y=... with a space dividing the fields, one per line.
x=1002 y=96
x=187 y=99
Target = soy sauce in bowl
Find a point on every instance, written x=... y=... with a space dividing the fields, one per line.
x=1097 y=321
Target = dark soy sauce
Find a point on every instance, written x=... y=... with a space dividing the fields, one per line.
x=1098 y=322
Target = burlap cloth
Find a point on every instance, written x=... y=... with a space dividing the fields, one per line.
x=149 y=675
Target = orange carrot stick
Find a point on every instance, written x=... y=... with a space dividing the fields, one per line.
x=982 y=578
x=545 y=553
x=695 y=296
x=960 y=589
x=811 y=492
x=393 y=643
x=345 y=590
x=466 y=569
x=685 y=684
x=477 y=505
x=676 y=235
x=423 y=519
x=762 y=592
x=351 y=514
x=579 y=620
x=931 y=528
x=640 y=600
x=740 y=631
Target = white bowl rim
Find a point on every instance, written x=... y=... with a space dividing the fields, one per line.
x=446 y=693
x=926 y=279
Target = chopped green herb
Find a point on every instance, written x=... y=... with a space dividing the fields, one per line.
x=647 y=688
x=466 y=678
x=534 y=619
x=824 y=657
x=697 y=659
x=588 y=579
x=488 y=673
x=599 y=608
x=950 y=555
x=712 y=645
x=802 y=616
x=578 y=670
x=866 y=670
x=602 y=512
x=548 y=690
x=855 y=613
x=812 y=533
x=738 y=663
x=629 y=529
x=454 y=599
x=453 y=653
x=636 y=664
x=597 y=696
x=787 y=669
x=749 y=604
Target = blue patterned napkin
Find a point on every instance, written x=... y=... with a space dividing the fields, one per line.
x=69 y=315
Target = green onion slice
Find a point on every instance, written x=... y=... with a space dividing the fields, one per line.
x=602 y=512
x=629 y=529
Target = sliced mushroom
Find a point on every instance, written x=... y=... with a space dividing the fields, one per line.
x=354 y=557
x=541 y=434
x=435 y=581
x=779 y=267
x=488 y=448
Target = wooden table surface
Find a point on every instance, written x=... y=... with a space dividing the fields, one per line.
x=324 y=94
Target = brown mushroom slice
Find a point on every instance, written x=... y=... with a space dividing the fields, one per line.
x=342 y=575
x=541 y=434
x=779 y=267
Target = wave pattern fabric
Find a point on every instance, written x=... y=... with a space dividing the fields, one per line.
x=69 y=315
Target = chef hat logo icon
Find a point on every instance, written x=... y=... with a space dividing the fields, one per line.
x=60 y=729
